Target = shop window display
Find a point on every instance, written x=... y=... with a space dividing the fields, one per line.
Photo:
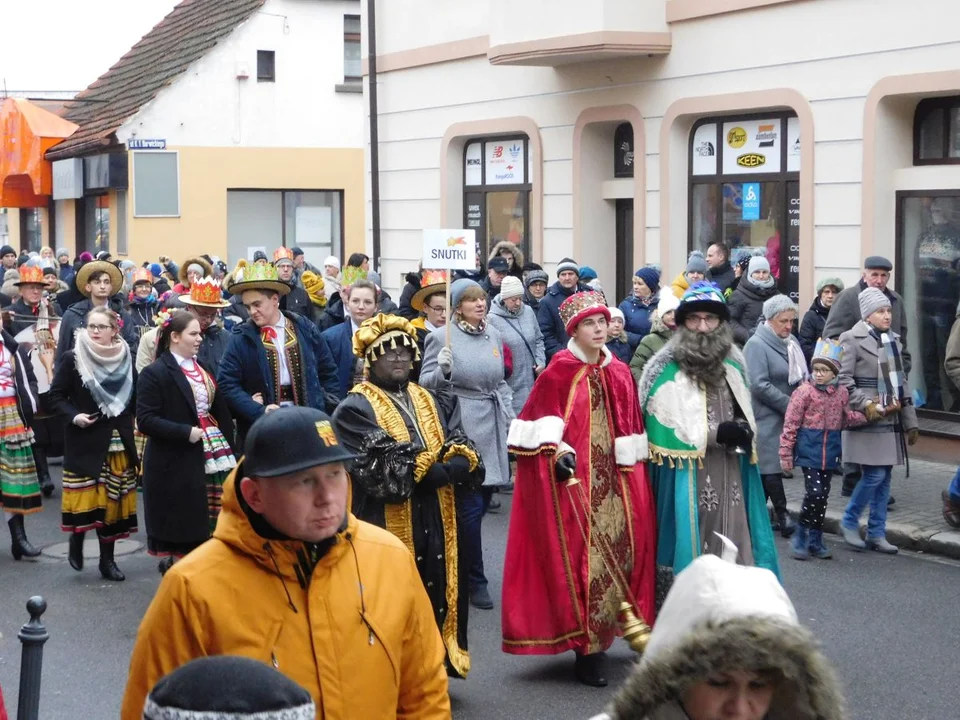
x=928 y=246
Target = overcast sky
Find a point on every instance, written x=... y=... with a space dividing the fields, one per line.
x=67 y=44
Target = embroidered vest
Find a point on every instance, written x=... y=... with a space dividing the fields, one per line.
x=291 y=348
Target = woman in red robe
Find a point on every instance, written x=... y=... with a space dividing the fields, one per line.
x=575 y=552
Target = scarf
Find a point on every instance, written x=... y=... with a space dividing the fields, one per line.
x=764 y=284
x=890 y=375
x=106 y=372
x=798 y=363
x=470 y=329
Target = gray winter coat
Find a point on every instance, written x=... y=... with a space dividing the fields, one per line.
x=746 y=308
x=477 y=379
x=878 y=443
x=845 y=313
x=768 y=368
x=521 y=333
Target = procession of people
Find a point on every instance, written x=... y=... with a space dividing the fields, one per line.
x=301 y=443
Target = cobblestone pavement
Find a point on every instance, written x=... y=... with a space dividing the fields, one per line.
x=915 y=521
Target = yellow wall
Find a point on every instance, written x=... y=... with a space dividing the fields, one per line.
x=207 y=173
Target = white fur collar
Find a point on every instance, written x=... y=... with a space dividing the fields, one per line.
x=606 y=355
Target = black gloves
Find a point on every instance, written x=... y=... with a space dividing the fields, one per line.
x=734 y=433
x=565 y=467
x=457 y=468
x=435 y=479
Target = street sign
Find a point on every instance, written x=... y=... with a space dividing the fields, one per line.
x=138 y=144
x=751 y=201
x=450 y=249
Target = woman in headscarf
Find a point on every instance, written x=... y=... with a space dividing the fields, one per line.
x=94 y=389
x=776 y=367
x=728 y=644
x=190 y=451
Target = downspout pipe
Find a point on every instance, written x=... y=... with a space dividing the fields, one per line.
x=374 y=132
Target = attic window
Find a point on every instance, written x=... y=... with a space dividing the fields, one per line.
x=266 y=66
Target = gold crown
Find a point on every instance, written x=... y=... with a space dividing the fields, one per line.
x=142 y=275
x=282 y=254
x=205 y=291
x=31 y=274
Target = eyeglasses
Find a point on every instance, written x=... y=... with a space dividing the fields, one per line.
x=99 y=328
x=397 y=357
x=694 y=321
x=821 y=370
x=438 y=308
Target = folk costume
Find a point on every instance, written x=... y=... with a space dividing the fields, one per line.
x=35 y=329
x=182 y=481
x=100 y=461
x=288 y=363
x=702 y=486
x=19 y=486
x=414 y=460
x=571 y=549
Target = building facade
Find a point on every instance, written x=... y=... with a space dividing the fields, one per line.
x=624 y=133
x=229 y=127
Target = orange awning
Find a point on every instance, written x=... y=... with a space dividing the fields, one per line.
x=26 y=133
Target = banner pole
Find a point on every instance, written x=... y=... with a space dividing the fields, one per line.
x=449 y=310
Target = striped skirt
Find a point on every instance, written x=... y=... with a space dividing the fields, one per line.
x=107 y=503
x=218 y=461
x=19 y=487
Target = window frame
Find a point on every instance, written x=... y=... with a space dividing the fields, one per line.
x=272 y=56
x=137 y=153
x=924 y=109
x=484 y=189
x=351 y=37
x=719 y=179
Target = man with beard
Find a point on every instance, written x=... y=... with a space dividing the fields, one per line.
x=700 y=425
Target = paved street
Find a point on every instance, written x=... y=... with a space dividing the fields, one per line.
x=887 y=623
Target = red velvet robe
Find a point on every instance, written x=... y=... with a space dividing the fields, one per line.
x=546 y=570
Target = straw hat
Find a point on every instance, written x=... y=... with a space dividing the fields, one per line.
x=431 y=282
x=84 y=273
x=256 y=277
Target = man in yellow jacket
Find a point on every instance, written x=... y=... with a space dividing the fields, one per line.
x=292 y=579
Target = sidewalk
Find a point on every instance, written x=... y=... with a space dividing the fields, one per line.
x=915 y=521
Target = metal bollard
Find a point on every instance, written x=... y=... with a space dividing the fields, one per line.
x=32 y=636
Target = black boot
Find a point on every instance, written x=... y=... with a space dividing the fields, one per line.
x=592 y=669
x=19 y=545
x=108 y=568
x=43 y=472
x=773 y=486
x=165 y=564
x=75 y=556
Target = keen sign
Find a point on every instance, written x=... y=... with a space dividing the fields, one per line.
x=751 y=160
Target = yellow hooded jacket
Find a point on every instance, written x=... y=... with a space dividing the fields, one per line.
x=360 y=636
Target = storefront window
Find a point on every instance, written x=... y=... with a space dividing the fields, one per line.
x=96 y=219
x=496 y=201
x=31 y=229
x=928 y=247
x=744 y=191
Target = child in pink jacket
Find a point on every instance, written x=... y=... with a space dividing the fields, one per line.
x=817 y=413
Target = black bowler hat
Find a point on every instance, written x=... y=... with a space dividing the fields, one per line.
x=289 y=440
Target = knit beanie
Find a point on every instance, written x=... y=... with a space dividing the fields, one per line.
x=511 y=287
x=650 y=277
x=156 y=270
x=668 y=303
x=616 y=313
x=827 y=282
x=374 y=277
x=568 y=264
x=757 y=263
x=61 y=252
x=587 y=274
x=696 y=263
x=458 y=288
x=535 y=276
x=776 y=305
x=84 y=256
x=228 y=686
x=872 y=300
x=7 y=250
x=332 y=261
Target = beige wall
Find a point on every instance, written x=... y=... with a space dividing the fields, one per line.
x=207 y=173
x=13 y=227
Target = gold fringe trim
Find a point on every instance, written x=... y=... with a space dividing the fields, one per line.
x=675 y=458
x=399 y=517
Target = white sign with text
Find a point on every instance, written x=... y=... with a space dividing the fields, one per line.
x=449 y=249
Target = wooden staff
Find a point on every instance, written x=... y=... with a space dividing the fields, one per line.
x=449 y=311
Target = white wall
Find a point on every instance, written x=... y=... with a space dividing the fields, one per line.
x=747 y=51
x=208 y=107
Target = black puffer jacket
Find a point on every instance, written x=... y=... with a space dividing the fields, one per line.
x=811 y=329
x=746 y=308
x=406 y=295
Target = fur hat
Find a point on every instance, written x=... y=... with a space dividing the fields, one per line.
x=872 y=300
x=776 y=305
x=757 y=263
x=229 y=687
x=829 y=281
x=511 y=288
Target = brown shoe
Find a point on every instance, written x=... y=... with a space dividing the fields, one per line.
x=951 y=511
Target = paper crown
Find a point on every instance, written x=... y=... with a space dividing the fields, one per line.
x=351 y=274
x=206 y=291
x=432 y=277
x=581 y=305
x=258 y=276
x=142 y=275
x=30 y=274
x=431 y=281
x=828 y=351
x=282 y=254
